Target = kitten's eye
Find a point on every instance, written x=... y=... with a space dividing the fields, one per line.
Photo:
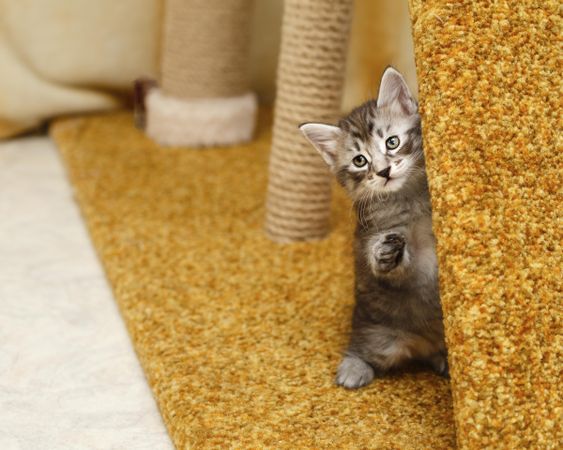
x=360 y=161
x=392 y=143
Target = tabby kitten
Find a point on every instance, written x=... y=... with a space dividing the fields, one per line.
x=376 y=154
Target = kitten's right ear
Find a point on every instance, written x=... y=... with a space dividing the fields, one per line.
x=324 y=138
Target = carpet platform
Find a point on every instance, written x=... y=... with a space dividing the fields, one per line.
x=239 y=337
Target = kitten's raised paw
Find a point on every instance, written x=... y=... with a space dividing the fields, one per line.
x=354 y=373
x=389 y=251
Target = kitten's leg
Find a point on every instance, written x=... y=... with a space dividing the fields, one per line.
x=388 y=252
x=373 y=349
x=354 y=372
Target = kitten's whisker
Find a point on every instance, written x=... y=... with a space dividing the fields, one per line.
x=363 y=204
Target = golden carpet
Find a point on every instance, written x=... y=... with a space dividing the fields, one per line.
x=490 y=94
x=239 y=337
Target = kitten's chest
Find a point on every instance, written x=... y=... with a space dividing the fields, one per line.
x=409 y=214
x=422 y=251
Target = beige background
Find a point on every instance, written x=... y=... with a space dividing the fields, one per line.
x=62 y=57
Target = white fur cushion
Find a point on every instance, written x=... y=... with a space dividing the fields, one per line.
x=200 y=122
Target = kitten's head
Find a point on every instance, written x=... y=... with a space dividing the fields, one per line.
x=377 y=148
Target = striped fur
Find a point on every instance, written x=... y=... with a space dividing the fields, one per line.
x=397 y=316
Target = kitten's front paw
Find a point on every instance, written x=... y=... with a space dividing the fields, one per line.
x=389 y=251
x=354 y=373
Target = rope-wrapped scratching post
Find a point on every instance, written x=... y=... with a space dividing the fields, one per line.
x=204 y=98
x=310 y=81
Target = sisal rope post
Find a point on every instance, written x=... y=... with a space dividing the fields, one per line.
x=204 y=97
x=310 y=82
x=205 y=48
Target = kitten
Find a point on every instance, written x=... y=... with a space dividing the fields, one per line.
x=376 y=154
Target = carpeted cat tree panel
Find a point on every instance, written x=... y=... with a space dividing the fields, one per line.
x=489 y=86
x=204 y=96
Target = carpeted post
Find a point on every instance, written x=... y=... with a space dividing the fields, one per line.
x=489 y=90
x=310 y=80
x=204 y=98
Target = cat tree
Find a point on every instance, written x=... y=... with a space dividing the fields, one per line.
x=204 y=97
x=492 y=175
x=493 y=200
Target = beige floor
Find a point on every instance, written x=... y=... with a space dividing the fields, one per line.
x=69 y=378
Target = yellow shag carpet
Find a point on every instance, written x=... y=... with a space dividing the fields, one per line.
x=239 y=337
x=490 y=94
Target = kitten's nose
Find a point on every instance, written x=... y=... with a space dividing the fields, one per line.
x=384 y=173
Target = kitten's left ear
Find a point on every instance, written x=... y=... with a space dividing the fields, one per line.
x=393 y=92
x=324 y=138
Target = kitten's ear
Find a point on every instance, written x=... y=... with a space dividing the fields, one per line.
x=393 y=92
x=324 y=138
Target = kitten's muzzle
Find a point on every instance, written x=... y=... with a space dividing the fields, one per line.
x=384 y=173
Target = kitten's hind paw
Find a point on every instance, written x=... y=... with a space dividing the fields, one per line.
x=439 y=363
x=354 y=373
